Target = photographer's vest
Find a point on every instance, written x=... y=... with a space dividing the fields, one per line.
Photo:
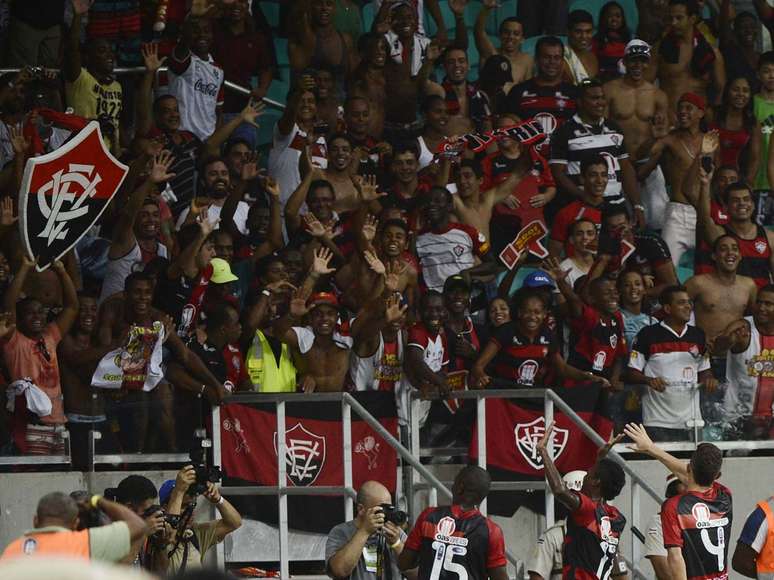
x=266 y=375
x=50 y=541
x=764 y=564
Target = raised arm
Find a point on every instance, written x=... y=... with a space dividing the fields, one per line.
x=150 y=57
x=185 y=263
x=72 y=48
x=642 y=443
x=248 y=115
x=553 y=477
x=483 y=44
x=13 y=294
x=460 y=30
x=69 y=312
x=283 y=327
x=554 y=269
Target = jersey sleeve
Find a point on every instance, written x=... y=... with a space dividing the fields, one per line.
x=585 y=512
x=418 y=337
x=414 y=540
x=755 y=530
x=638 y=357
x=670 y=525
x=496 y=556
x=502 y=335
x=478 y=239
x=704 y=363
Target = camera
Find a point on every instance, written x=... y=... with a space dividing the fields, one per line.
x=393 y=514
x=204 y=473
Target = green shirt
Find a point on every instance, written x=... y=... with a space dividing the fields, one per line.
x=764 y=114
x=106 y=543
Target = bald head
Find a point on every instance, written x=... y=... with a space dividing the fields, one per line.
x=372 y=493
x=56 y=509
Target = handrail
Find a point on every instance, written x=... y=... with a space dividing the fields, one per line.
x=141 y=69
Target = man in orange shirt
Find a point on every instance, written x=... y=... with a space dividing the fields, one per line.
x=30 y=352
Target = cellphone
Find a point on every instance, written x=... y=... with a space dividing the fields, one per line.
x=706 y=164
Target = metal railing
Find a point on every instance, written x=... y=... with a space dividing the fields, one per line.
x=140 y=69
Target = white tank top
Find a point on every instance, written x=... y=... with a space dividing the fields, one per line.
x=425 y=155
x=362 y=371
x=742 y=387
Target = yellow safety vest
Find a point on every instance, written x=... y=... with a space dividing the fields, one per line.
x=764 y=563
x=265 y=374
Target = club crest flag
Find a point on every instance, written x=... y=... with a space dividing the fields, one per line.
x=64 y=193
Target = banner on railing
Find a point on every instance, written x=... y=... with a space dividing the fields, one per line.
x=313 y=441
x=514 y=427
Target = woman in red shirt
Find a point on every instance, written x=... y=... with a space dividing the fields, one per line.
x=735 y=121
x=610 y=40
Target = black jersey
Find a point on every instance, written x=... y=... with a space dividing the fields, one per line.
x=454 y=544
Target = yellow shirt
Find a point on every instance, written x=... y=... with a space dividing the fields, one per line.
x=91 y=99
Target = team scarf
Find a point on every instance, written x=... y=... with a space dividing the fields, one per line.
x=72 y=123
x=136 y=365
x=530 y=133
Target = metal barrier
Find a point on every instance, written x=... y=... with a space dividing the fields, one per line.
x=139 y=70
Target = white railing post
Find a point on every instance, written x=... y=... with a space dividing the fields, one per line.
x=549 y=495
x=283 y=498
x=635 y=521
x=481 y=434
x=220 y=547
x=346 y=420
x=414 y=439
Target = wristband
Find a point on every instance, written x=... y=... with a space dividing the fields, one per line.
x=265 y=292
x=220 y=501
x=94 y=501
x=395 y=545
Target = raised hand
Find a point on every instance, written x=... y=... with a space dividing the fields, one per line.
x=641 y=441
x=369 y=228
x=457 y=6
x=367 y=188
x=272 y=187
x=201 y=7
x=252 y=111
x=393 y=310
x=159 y=172
x=433 y=51
x=554 y=269
x=710 y=142
x=150 y=57
x=543 y=443
x=374 y=262
x=298 y=306
x=313 y=226
x=611 y=442
x=7 y=217
x=206 y=226
x=320 y=262
x=250 y=167
x=198 y=207
x=280 y=286
x=19 y=142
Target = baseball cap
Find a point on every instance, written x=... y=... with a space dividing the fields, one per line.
x=496 y=71
x=694 y=99
x=455 y=281
x=319 y=298
x=538 y=279
x=574 y=479
x=166 y=490
x=637 y=49
x=221 y=272
x=400 y=3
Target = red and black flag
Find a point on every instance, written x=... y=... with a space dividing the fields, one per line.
x=64 y=193
x=314 y=455
x=515 y=426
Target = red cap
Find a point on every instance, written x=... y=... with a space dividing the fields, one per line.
x=694 y=99
x=319 y=298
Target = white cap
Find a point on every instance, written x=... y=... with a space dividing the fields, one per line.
x=636 y=48
x=574 y=479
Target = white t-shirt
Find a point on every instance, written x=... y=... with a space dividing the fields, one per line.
x=284 y=156
x=654 y=538
x=213 y=213
x=419 y=6
x=418 y=52
x=199 y=91
x=575 y=271
x=118 y=270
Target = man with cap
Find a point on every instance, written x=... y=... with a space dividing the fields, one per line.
x=638 y=106
x=186 y=544
x=580 y=62
x=324 y=351
x=678 y=150
x=546 y=562
x=511 y=34
x=654 y=540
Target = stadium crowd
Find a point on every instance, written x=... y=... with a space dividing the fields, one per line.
x=361 y=215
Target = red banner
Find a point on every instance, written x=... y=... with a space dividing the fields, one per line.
x=313 y=440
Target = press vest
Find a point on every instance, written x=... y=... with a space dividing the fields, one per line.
x=765 y=561
x=265 y=374
x=50 y=543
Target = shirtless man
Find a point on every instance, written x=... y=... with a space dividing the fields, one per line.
x=638 y=105
x=468 y=107
x=679 y=66
x=473 y=207
x=511 y=35
x=382 y=264
x=368 y=80
x=678 y=149
x=316 y=40
x=722 y=296
x=580 y=62
x=340 y=172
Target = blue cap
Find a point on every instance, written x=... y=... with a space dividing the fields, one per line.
x=538 y=279
x=166 y=490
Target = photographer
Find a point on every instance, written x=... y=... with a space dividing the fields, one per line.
x=185 y=542
x=139 y=494
x=357 y=549
x=56 y=530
